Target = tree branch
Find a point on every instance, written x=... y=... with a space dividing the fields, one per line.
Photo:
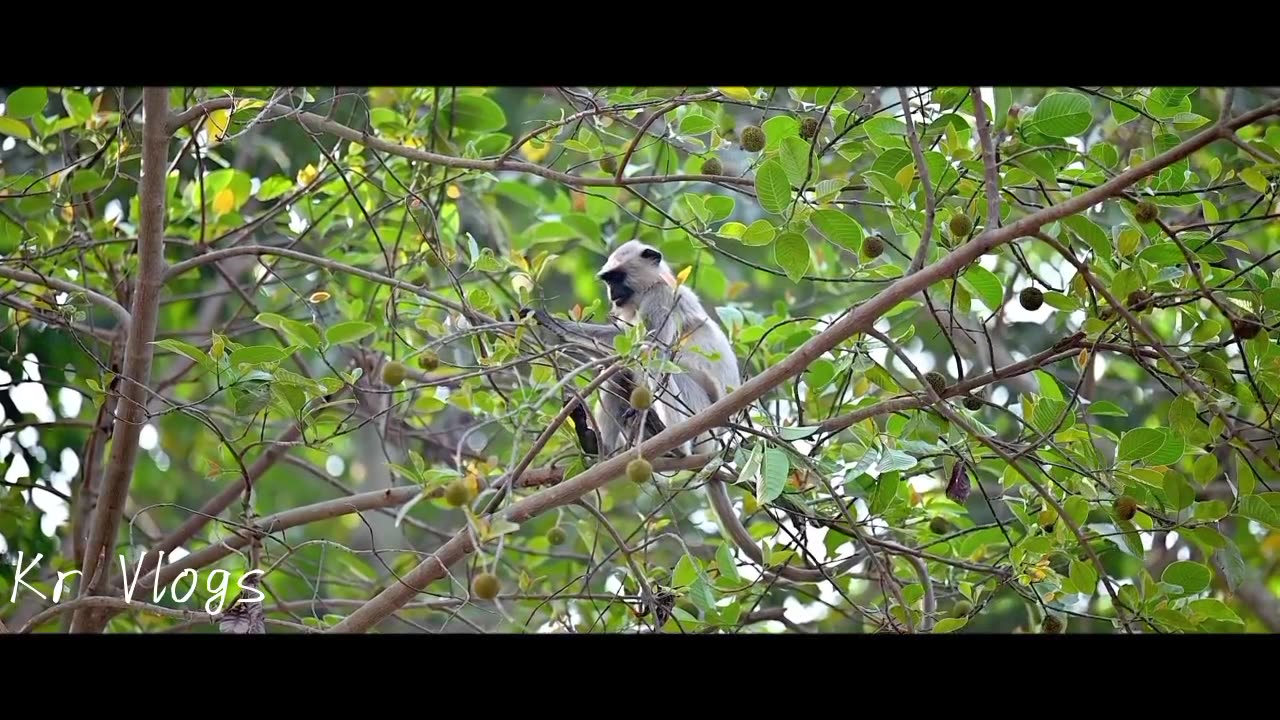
x=922 y=252
x=317 y=123
x=58 y=284
x=991 y=172
x=136 y=373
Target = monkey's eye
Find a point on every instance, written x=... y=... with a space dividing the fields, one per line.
x=651 y=254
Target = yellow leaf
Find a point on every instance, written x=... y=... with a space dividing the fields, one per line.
x=308 y=174
x=905 y=175
x=453 y=192
x=1254 y=179
x=521 y=283
x=534 y=151
x=224 y=201
x=319 y=296
x=684 y=275
x=218 y=124
x=737 y=93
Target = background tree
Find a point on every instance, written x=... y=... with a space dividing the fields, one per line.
x=1008 y=349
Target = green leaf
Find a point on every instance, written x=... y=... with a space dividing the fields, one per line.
x=696 y=125
x=886 y=491
x=273 y=187
x=791 y=252
x=14 y=128
x=1254 y=179
x=1255 y=507
x=78 y=105
x=777 y=128
x=1205 y=469
x=87 y=180
x=895 y=461
x=1214 y=609
x=1192 y=577
x=772 y=187
x=1139 y=443
x=1230 y=565
x=1170 y=452
x=1170 y=96
x=1048 y=386
x=1088 y=231
x=257 y=354
x=1176 y=490
x=985 y=285
x=773 y=475
x=25 y=102
x=760 y=232
x=1107 y=408
x=474 y=112
x=947 y=625
x=685 y=573
x=298 y=331
x=1060 y=115
x=346 y=332
x=719 y=207
x=1209 y=510
x=188 y=350
x=724 y=560
x=1084 y=577
x=795 y=160
x=839 y=228
x=1122 y=113
x=1163 y=254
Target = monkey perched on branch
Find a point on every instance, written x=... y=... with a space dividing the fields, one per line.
x=642 y=289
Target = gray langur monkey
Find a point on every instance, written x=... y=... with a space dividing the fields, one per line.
x=643 y=289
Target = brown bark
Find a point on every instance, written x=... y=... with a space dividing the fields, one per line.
x=131 y=408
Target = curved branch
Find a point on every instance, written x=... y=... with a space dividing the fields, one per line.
x=51 y=282
x=318 y=123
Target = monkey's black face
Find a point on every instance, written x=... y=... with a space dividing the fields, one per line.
x=619 y=292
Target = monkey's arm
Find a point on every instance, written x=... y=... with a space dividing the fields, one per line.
x=571 y=329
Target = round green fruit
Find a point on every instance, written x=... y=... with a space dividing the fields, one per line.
x=712 y=166
x=641 y=398
x=752 y=138
x=394 y=373
x=939 y=525
x=960 y=225
x=936 y=381
x=457 y=493
x=639 y=470
x=609 y=164
x=1031 y=298
x=556 y=536
x=873 y=246
x=972 y=402
x=1126 y=507
x=1146 y=212
x=808 y=128
x=486 y=586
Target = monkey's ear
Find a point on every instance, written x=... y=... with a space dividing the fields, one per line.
x=651 y=254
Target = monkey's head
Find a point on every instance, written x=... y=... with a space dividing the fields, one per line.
x=632 y=269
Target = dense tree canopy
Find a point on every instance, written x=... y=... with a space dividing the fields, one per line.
x=1007 y=355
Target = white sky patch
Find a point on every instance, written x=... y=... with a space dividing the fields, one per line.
x=70 y=402
x=334 y=465
x=148 y=438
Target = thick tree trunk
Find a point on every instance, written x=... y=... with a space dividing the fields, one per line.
x=131 y=408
